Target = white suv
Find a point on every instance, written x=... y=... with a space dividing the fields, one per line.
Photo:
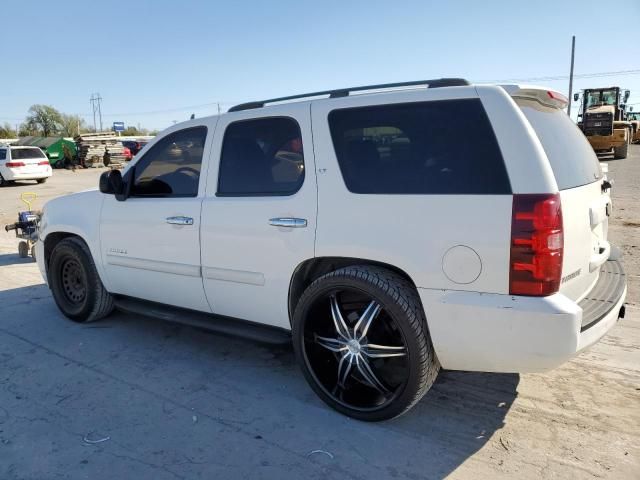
x=389 y=233
x=23 y=163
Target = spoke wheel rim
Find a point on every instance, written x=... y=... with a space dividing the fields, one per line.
x=355 y=350
x=73 y=281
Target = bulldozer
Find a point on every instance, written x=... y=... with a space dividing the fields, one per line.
x=634 y=119
x=603 y=120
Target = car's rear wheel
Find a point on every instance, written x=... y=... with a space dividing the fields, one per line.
x=361 y=338
x=41 y=180
x=3 y=182
x=75 y=283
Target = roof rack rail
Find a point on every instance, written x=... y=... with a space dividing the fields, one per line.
x=344 y=92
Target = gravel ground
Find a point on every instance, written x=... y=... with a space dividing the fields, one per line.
x=131 y=397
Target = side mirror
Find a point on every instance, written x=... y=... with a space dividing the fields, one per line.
x=576 y=97
x=111 y=183
x=627 y=93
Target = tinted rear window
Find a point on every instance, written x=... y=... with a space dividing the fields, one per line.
x=572 y=159
x=442 y=147
x=26 y=153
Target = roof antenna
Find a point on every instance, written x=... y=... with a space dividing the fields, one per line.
x=193 y=115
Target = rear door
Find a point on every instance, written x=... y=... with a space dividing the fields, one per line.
x=259 y=214
x=585 y=207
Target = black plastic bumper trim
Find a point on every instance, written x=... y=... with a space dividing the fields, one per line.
x=604 y=295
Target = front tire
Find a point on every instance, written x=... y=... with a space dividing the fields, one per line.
x=75 y=283
x=361 y=339
x=620 y=153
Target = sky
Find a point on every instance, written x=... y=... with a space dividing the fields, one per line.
x=157 y=62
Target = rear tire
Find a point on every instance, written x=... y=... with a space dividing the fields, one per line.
x=75 y=283
x=395 y=352
x=23 y=249
x=41 y=180
x=3 y=182
x=621 y=152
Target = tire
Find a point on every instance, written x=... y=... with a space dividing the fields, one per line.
x=41 y=180
x=75 y=283
x=3 y=182
x=391 y=347
x=621 y=152
x=33 y=252
x=23 y=249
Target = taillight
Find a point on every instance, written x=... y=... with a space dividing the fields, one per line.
x=43 y=162
x=14 y=164
x=537 y=243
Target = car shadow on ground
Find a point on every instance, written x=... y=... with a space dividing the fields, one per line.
x=14 y=259
x=135 y=373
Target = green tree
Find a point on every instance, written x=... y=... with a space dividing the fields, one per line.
x=44 y=119
x=6 y=131
x=71 y=125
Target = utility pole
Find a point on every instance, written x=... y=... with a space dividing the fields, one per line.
x=95 y=101
x=573 y=51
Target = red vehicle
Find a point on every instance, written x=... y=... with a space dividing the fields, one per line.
x=134 y=147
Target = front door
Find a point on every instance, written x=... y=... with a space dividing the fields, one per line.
x=150 y=242
x=259 y=214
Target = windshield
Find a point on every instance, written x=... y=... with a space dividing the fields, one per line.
x=601 y=97
x=572 y=159
x=26 y=153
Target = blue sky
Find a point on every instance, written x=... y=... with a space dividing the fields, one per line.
x=158 y=61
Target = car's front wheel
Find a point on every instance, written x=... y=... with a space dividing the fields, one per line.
x=75 y=283
x=361 y=338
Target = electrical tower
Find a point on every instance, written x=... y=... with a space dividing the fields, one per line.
x=95 y=101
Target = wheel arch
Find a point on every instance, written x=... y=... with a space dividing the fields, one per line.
x=54 y=237
x=309 y=270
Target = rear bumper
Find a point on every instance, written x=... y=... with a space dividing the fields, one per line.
x=12 y=175
x=505 y=333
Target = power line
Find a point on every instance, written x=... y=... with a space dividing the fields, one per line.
x=98 y=110
x=565 y=77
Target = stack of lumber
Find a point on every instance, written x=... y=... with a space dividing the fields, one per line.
x=91 y=148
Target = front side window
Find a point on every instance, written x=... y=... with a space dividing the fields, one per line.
x=261 y=157
x=171 y=168
x=439 y=147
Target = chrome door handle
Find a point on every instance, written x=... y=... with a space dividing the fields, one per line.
x=180 y=220
x=288 y=222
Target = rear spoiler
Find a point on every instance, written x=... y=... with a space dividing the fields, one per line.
x=543 y=95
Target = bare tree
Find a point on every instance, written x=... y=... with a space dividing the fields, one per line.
x=71 y=125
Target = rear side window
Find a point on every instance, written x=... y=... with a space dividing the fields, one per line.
x=261 y=157
x=3 y=154
x=26 y=153
x=440 y=147
x=572 y=159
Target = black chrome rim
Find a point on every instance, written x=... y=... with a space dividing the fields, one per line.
x=355 y=350
x=74 y=284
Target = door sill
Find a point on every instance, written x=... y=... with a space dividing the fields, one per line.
x=225 y=325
